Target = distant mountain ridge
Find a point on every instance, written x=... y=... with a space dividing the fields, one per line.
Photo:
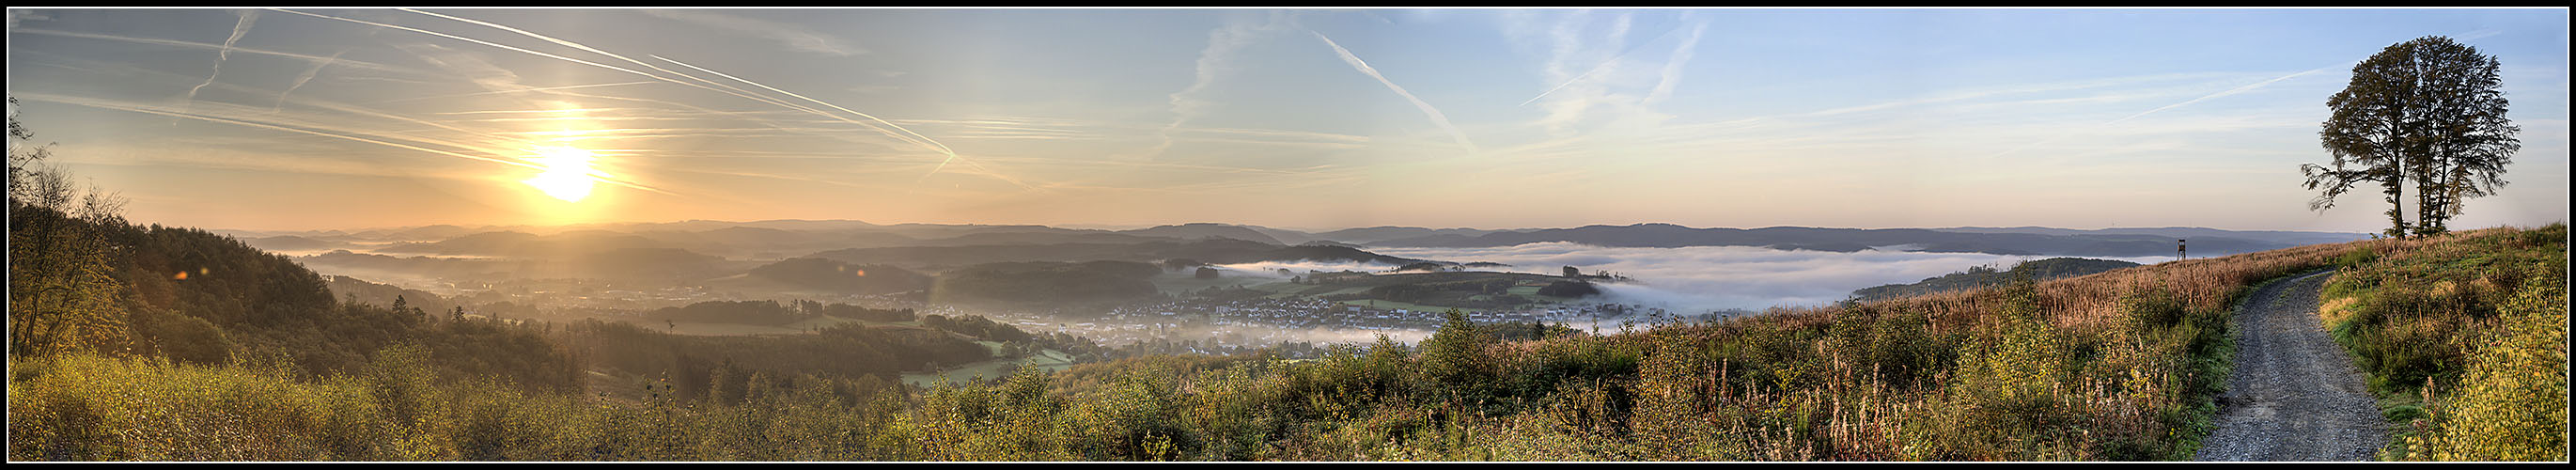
x=779 y=239
x=2034 y=241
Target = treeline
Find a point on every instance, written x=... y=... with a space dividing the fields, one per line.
x=1981 y=277
x=819 y=273
x=770 y=312
x=1048 y=282
x=692 y=363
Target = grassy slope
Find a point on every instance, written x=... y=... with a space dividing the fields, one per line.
x=2463 y=340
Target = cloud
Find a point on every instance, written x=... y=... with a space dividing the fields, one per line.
x=888 y=129
x=1672 y=74
x=794 y=37
x=2231 y=91
x=1214 y=60
x=197 y=45
x=1598 y=82
x=1437 y=118
x=1270 y=269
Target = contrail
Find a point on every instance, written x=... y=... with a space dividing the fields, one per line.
x=242 y=122
x=907 y=135
x=240 y=27
x=738 y=93
x=1606 y=63
x=553 y=88
x=2230 y=91
x=179 y=114
x=1436 y=117
x=306 y=77
x=924 y=141
x=199 y=45
x=246 y=112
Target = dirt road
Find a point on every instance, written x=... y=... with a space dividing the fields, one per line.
x=2295 y=394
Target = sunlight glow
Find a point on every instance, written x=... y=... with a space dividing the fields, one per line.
x=568 y=175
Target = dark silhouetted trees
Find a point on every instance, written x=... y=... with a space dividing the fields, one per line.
x=2427 y=111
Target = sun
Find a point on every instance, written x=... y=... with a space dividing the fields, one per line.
x=568 y=175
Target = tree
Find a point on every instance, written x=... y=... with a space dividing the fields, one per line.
x=1455 y=358
x=2426 y=111
x=62 y=291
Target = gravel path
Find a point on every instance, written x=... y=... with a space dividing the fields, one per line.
x=2295 y=394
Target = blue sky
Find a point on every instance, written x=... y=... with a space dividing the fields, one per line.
x=1291 y=118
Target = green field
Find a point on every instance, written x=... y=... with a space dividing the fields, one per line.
x=721 y=329
x=1050 y=360
x=1185 y=281
x=739 y=329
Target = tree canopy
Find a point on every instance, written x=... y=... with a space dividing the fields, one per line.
x=2427 y=111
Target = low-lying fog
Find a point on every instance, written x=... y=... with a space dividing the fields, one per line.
x=1693 y=280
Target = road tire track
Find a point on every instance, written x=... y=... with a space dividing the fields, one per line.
x=2295 y=395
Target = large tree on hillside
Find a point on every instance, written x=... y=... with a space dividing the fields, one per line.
x=2428 y=112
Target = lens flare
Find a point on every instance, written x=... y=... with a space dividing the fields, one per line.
x=568 y=175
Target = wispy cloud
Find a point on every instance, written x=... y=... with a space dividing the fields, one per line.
x=1672 y=75
x=306 y=77
x=2232 y=91
x=1434 y=113
x=166 y=111
x=880 y=125
x=1568 y=42
x=209 y=46
x=1223 y=44
x=1599 y=80
x=793 y=36
x=518 y=90
x=240 y=27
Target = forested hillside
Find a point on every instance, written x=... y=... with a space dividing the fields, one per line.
x=1985 y=276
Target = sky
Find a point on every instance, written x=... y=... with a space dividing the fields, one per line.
x=295 y=119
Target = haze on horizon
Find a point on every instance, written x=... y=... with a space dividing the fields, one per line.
x=296 y=119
